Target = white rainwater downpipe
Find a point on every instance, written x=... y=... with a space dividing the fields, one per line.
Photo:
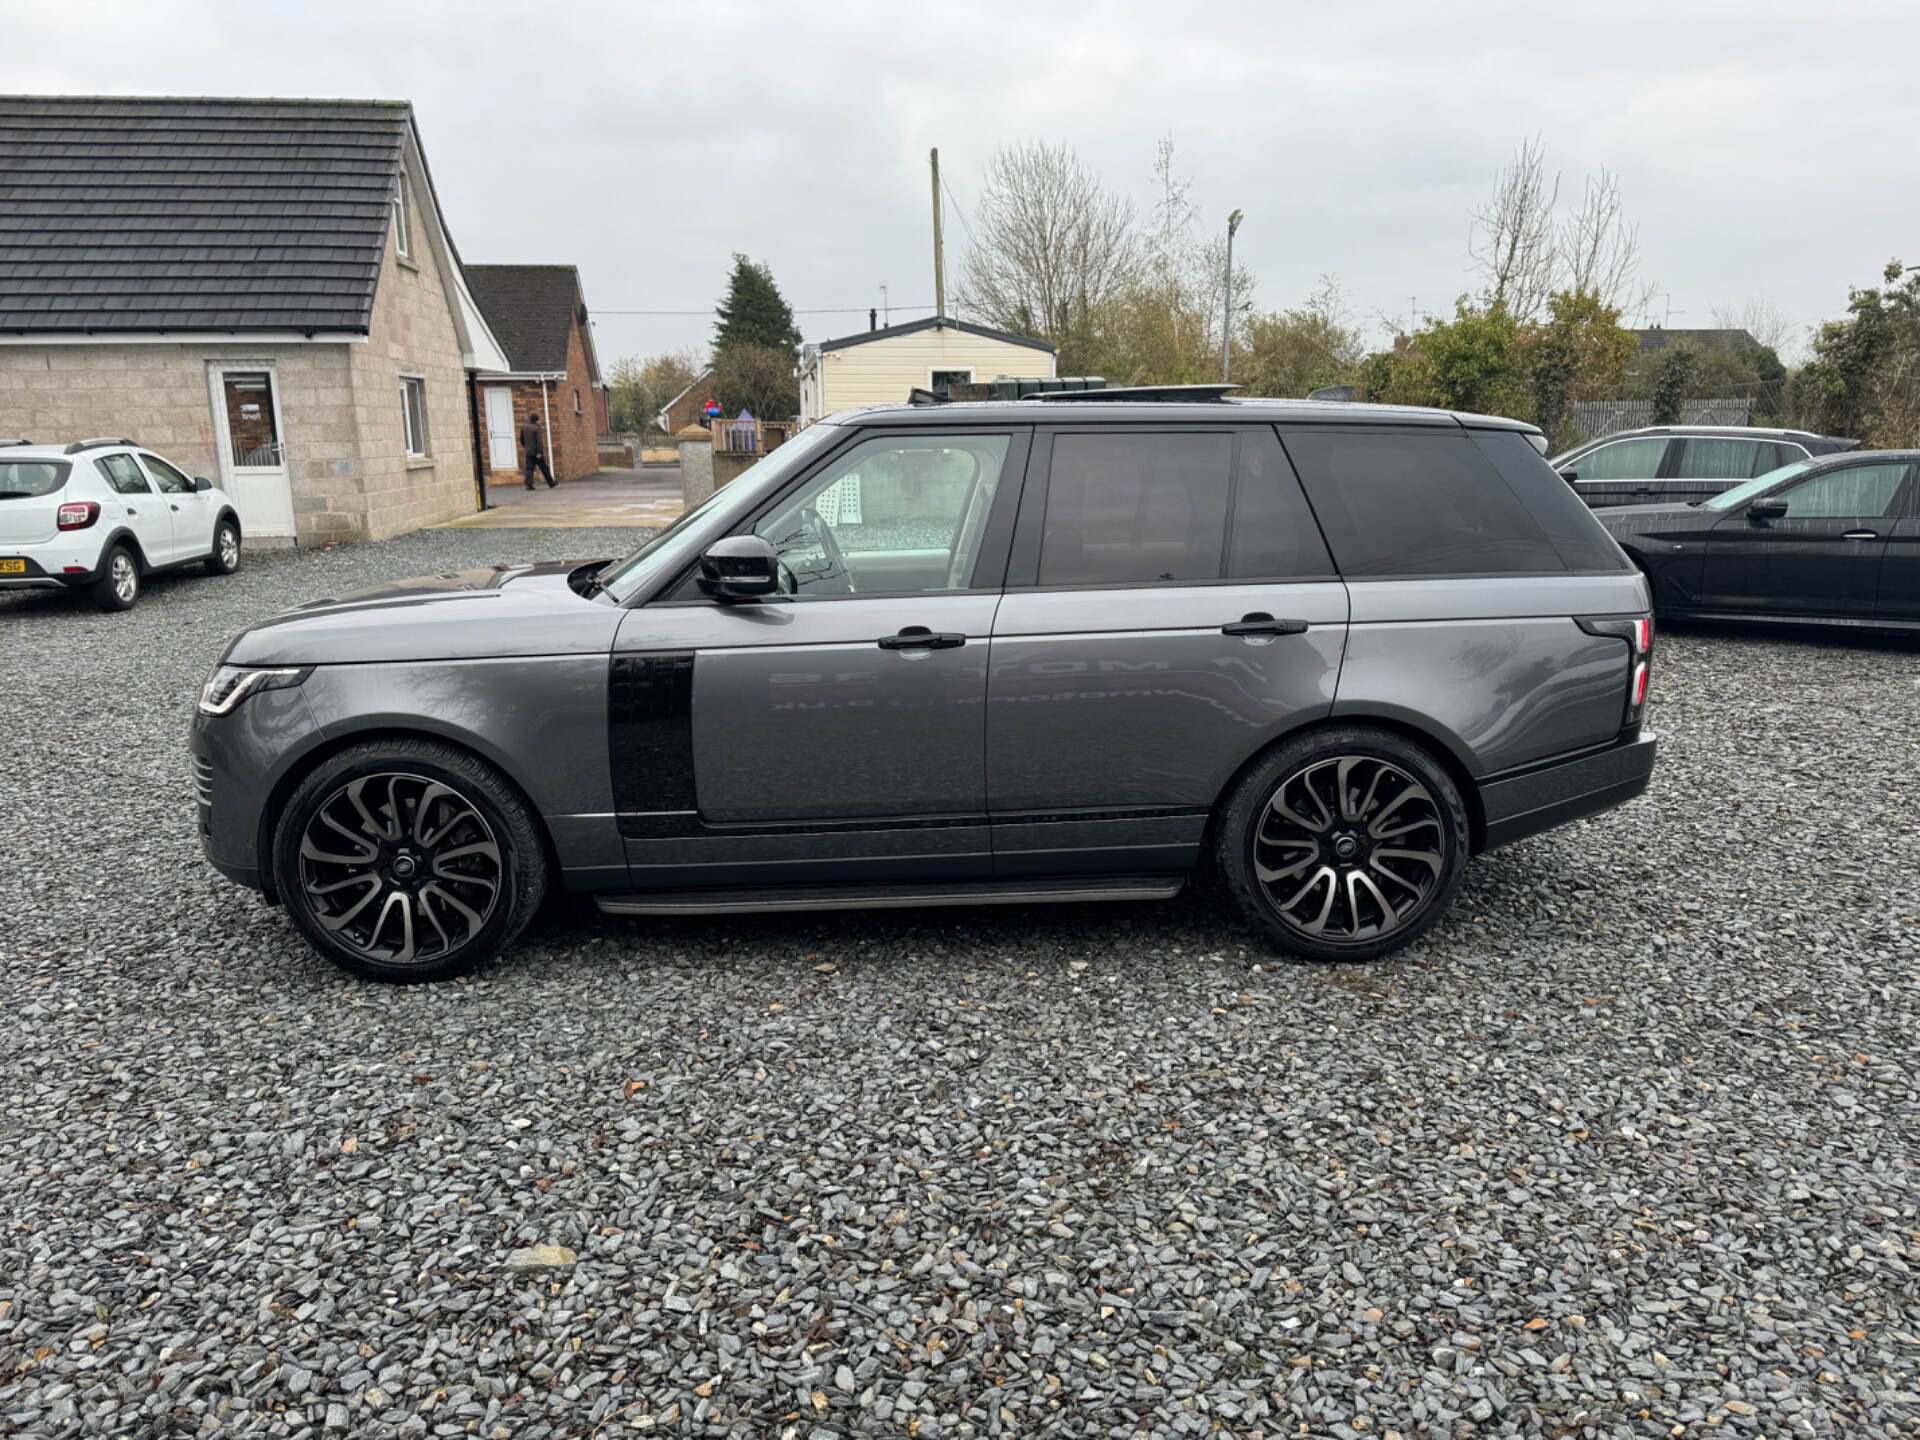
x=546 y=412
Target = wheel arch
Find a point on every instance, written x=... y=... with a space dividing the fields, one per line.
x=1444 y=752
x=227 y=512
x=126 y=537
x=311 y=759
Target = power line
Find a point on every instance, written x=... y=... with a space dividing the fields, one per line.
x=840 y=310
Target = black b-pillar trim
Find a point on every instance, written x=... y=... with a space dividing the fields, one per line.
x=650 y=732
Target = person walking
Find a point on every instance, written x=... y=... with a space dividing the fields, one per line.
x=533 y=443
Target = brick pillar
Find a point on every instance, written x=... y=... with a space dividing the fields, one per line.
x=695 y=444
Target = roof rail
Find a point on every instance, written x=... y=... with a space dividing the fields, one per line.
x=7 y=441
x=1166 y=393
x=94 y=444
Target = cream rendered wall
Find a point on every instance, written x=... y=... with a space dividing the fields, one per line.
x=881 y=372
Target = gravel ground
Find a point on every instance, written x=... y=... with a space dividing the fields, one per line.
x=1626 y=1147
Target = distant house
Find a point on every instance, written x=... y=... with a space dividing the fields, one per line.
x=539 y=313
x=1653 y=341
x=262 y=290
x=689 y=406
x=882 y=367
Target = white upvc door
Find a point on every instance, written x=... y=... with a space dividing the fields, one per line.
x=252 y=446
x=500 y=441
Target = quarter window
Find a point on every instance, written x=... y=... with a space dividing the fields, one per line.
x=1131 y=509
x=1859 y=492
x=124 y=475
x=1416 y=503
x=413 y=414
x=1622 y=460
x=892 y=515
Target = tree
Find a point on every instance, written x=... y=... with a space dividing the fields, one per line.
x=640 y=389
x=756 y=378
x=1580 y=352
x=1052 y=249
x=1672 y=379
x=754 y=312
x=1290 y=352
x=1863 y=379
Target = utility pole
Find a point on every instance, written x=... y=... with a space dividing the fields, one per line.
x=939 y=260
x=1226 y=336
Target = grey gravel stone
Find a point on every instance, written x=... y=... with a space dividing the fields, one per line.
x=1643 y=1107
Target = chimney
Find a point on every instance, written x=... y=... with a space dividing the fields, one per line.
x=873 y=320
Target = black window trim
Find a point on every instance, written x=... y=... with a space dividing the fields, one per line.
x=990 y=566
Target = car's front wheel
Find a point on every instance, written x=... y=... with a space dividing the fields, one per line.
x=119 y=583
x=1344 y=844
x=408 y=860
x=225 y=557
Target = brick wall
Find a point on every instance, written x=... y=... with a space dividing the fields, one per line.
x=689 y=409
x=573 y=445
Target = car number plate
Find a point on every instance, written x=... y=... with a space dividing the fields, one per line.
x=13 y=567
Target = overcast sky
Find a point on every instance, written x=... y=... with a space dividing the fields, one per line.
x=1766 y=151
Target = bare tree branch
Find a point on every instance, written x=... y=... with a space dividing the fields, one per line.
x=1599 y=252
x=1512 y=240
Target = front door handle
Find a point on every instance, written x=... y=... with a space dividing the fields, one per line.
x=919 y=637
x=1861 y=535
x=1261 y=623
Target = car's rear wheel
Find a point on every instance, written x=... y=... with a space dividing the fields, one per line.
x=225 y=557
x=119 y=583
x=408 y=860
x=1344 y=844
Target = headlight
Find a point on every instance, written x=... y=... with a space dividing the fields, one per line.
x=230 y=684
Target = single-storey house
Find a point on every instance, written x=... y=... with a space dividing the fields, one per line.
x=262 y=290
x=882 y=367
x=689 y=407
x=539 y=315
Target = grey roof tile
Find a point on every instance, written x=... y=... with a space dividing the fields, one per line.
x=529 y=309
x=179 y=214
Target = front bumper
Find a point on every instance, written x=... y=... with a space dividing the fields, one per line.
x=1546 y=796
x=238 y=760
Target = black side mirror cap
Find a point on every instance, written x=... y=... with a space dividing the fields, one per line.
x=1767 y=510
x=201 y=482
x=740 y=567
x=1569 y=476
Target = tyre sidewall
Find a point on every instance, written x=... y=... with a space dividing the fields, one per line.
x=214 y=562
x=1248 y=803
x=102 y=592
x=523 y=861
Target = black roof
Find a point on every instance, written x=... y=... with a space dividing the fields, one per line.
x=933 y=322
x=529 y=308
x=1659 y=337
x=135 y=213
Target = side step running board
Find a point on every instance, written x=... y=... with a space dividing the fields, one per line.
x=748 y=899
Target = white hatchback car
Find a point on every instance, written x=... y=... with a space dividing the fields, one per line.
x=100 y=515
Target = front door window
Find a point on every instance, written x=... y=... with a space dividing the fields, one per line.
x=252 y=429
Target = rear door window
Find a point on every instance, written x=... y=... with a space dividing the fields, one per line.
x=124 y=474
x=1705 y=457
x=1416 y=503
x=1132 y=508
x=1272 y=534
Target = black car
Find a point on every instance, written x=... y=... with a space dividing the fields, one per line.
x=1834 y=540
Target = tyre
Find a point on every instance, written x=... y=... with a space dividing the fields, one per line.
x=225 y=557
x=1344 y=844
x=408 y=860
x=119 y=583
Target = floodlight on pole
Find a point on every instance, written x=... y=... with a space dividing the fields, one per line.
x=1226 y=335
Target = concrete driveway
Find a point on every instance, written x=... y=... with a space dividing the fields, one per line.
x=648 y=497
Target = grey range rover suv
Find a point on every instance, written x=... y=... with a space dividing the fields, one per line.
x=1010 y=652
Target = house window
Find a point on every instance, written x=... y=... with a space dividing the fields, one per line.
x=413 y=414
x=576 y=403
x=403 y=219
x=254 y=441
x=938 y=381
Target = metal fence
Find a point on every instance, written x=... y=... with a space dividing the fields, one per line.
x=1598 y=418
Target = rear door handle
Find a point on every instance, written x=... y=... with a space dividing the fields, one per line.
x=1261 y=623
x=1861 y=535
x=919 y=637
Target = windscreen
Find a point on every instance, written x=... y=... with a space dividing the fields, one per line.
x=25 y=479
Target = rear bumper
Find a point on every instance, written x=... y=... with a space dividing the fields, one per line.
x=54 y=565
x=1542 y=798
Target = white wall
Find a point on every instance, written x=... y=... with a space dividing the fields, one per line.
x=881 y=372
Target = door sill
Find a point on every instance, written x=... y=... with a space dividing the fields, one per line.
x=747 y=899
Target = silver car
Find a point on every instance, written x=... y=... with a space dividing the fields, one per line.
x=1000 y=653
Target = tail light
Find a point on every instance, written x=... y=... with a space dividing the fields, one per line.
x=77 y=514
x=1638 y=633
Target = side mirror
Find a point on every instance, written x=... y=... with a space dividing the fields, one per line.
x=201 y=482
x=740 y=567
x=1569 y=476
x=1767 y=510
